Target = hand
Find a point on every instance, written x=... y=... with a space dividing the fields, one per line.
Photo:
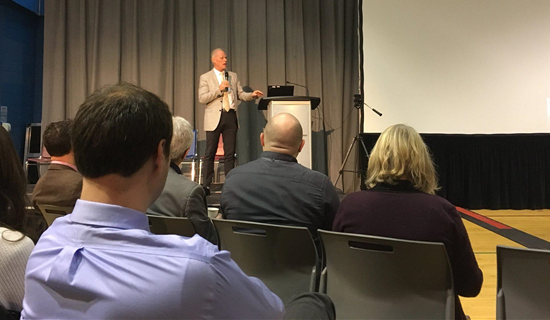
x=223 y=85
x=257 y=94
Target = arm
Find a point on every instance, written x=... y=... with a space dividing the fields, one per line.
x=245 y=96
x=331 y=204
x=196 y=210
x=241 y=296
x=467 y=276
x=206 y=93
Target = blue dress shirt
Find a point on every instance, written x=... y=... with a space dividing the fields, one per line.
x=101 y=262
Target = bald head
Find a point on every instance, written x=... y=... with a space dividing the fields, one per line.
x=283 y=134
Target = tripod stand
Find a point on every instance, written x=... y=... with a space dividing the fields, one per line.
x=358 y=104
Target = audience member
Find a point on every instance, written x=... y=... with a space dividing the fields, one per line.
x=101 y=261
x=401 y=203
x=15 y=247
x=62 y=184
x=182 y=197
x=275 y=188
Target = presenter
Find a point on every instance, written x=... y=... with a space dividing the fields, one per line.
x=219 y=90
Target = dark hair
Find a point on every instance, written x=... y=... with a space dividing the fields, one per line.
x=13 y=196
x=118 y=129
x=57 y=138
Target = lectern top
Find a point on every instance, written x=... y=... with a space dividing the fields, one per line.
x=264 y=102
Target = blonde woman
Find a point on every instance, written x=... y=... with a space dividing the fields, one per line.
x=401 y=203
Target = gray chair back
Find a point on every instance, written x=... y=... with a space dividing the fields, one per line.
x=523 y=283
x=50 y=213
x=283 y=257
x=181 y=226
x=371 y=277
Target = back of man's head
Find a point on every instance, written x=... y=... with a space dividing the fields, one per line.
x=57 y=138
x=118 y=129
x=283 y=134
x=181 y=140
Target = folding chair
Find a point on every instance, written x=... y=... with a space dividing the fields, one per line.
x=523 y=283
x=34 y=153
x=283 y=257
x=51 y=213
x=191 y=159
x=371 y=277
x=171 y=225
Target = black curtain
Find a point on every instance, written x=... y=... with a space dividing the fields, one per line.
x=497 y=171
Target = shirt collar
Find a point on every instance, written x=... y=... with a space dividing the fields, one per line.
x=400 y=186
x=175 y=168
x=273 y=156
x=218 y=72
x=108 y=215
x=63 y=163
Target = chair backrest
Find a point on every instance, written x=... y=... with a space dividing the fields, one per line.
x=181 y=226
x=283 y=257
x=371 y=277
x=192 y=154
x=33 y=145
x=51 y=213
x=523 y=285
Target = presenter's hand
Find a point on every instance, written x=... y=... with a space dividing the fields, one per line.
x=223 y=85
x=257 y=94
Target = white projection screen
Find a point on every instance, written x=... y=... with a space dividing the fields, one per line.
x=457 y=66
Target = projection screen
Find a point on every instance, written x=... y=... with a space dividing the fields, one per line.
x=457 y=66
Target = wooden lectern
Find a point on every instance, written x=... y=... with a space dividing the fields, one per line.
x=300 y=107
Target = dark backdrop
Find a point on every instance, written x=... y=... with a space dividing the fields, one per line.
x=497 y=171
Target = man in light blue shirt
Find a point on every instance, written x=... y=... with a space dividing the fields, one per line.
x=101 y=261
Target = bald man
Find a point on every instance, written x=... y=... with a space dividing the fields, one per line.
x=275 y=188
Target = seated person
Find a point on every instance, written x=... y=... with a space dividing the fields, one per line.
x=62 y=184
x=182 y=197
x=15 y=247
x=401 y=203
x=275 y=188
x=101 y=261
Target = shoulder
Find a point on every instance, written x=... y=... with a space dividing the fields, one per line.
x=313 y=177
x=178 y=182
x=437 y=202
x=207 y=74
x=248 y=167
x=15 y=241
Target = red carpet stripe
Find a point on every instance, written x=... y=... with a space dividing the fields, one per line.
x=483 y=218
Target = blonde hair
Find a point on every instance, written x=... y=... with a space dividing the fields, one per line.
x=400 y=153
x=182 y=138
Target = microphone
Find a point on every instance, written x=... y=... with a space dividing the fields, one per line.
x=226 y=77
x=299 y=85
x=374 y=110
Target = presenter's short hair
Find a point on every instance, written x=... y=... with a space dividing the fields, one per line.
x=57 y=138
x=400 y=153
x=213 y=53
x=118 y=129
x=182 y=138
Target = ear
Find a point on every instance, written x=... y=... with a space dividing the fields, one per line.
x=301 y=145
x=160 y=157
x=185 y=153
x=262 y=139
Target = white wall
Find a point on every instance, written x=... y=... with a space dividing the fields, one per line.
x=458 y=66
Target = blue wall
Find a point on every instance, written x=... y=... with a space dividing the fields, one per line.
x=21 y=57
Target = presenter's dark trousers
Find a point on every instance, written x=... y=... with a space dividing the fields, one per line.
x=228 y=129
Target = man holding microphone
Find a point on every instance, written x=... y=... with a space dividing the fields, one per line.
x=220 y=89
